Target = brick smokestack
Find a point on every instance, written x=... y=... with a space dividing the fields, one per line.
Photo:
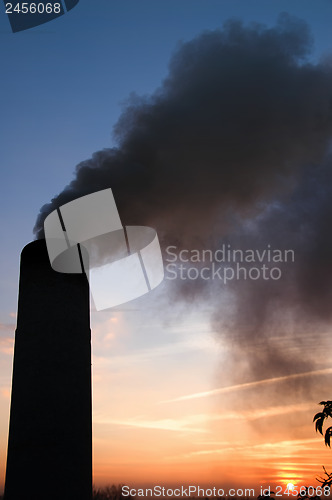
x=50 y=433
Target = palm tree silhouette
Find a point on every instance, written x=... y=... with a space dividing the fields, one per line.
x=320 y=418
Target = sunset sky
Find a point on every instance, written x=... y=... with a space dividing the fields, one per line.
x=221 y=134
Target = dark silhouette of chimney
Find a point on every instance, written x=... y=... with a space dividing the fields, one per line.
x=50 y=433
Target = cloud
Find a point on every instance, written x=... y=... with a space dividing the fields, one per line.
x=237 y=116
x=250 y=385
x=5 y=392
x=264 y=451
x=234 y=147
x=6 y=328
x=7 y=338
x=183 y=424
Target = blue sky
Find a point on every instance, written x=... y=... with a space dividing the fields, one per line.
x=62 y=88
x=63 y=84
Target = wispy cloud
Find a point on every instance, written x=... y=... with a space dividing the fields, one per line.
x=6 y=341
x=199 y=422
x=192 y=423
x=6 y=328
x=249 y=385
x=264 y=449
x=5 y=392
x=264 y=412
x=140 y=355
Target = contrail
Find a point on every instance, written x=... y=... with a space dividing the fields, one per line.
x=249 y=385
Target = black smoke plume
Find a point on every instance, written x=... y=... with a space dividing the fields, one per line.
x=235 y=145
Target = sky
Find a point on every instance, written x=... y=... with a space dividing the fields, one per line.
x=212 y=122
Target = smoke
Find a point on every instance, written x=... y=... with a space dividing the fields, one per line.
x=235 y=145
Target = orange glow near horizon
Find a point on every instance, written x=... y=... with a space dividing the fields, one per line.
x=159 y=417
x=164 y=423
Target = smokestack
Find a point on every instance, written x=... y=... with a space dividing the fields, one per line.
x=50 y=433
